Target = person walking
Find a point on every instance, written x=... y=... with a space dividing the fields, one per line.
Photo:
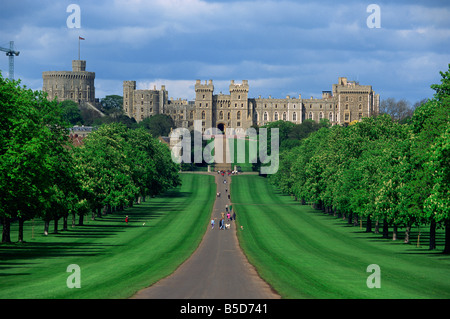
x=226 y=207
x=228 y=216
x=126 y=220
x=212 y=223
x=234 y=216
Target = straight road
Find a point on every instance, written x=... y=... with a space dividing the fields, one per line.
x=217 y=269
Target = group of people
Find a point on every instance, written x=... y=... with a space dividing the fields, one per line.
x=227 y=172
x=230 y=215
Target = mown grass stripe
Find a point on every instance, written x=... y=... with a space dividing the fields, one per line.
x=304 y=253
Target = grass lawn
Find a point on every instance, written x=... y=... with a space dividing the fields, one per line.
x=304 y=253
x=115 y=259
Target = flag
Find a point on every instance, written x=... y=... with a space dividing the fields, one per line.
x=80 y=38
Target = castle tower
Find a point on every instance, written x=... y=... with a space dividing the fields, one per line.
x=241 y=113
x=204 y=103
x=354 y=101
x=128 y=93
x=76 y=85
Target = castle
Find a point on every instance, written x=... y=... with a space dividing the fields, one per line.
x=346 y=102
x=232 y=113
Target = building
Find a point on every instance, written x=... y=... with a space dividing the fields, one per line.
x=346 y=102
x=76 y=85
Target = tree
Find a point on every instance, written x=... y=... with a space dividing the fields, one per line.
x=32 y=140
x=158 y=125
x=71 y=112
x=398 y=110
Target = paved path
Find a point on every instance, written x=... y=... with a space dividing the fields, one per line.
x=217 y=269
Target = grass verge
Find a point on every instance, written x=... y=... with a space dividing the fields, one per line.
x=304 y=253
x=115 y=259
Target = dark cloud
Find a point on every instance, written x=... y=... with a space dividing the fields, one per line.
x=281 y=47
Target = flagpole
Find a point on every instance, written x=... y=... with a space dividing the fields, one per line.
x=78 y=47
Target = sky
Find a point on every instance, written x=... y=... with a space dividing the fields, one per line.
x=281 y=47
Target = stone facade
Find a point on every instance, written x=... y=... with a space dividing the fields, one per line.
x=346 y=102
x=76 y=85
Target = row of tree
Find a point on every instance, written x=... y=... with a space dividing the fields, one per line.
x=42 y=175
x=379 y=170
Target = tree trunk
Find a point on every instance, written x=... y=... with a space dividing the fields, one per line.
x=368 y=224
x=377 y=227
x=65 y=217
x=73 y=220
x=407 y=234
x=447 y=237
x=55 y=228
x=46 y=224
x=432 y=244
x=394 y=232
x=385 y=229
x=80 y=220
x=20 y=237
x=6 y=237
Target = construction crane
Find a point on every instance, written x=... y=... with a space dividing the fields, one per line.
x=11 y=53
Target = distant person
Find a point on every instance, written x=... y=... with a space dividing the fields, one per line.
x=212 y=223
x=126 y=220
x=226 y=207
x=228 y=216
x=234 y=216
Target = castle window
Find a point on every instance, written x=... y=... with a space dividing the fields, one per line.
x=276 y=106
x=239 y=97
x=228 y=115
x=142 y=102
x=265 y=106
x=235 y=104
x=275 y=116
x=284 y=116
x=310 y=106
x=206 y=104
x=330 y=117
x=242 y=104
x=294 y=116
x=239 y=115
x=191 y=115
x=320 y=115
x=360 y=106
x=346 y=106
x=346 y=99
x=360 y=99
x=360 y=115
x=221 y=115
x=265 y=116
x=310 y=115
x=346 y=117
x=238 y=123
x=320 y=105
x=203 y=115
